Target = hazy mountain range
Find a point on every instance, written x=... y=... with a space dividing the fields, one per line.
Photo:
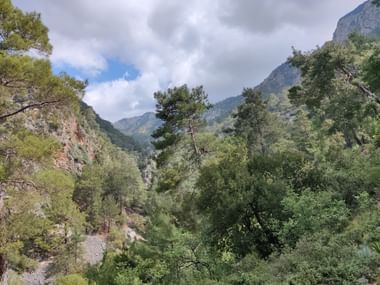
x=365 y=19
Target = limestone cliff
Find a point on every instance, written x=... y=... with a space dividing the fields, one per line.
x=365 y=20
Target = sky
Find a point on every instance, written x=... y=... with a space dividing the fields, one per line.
x=129 y=49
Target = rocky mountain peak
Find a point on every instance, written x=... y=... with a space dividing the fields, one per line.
x=365 y=19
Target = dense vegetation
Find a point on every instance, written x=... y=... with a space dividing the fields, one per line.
x=60 y=176
x=270 y=201
x=288 y=193
x=117 y=138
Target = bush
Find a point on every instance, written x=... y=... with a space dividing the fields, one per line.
x=73 y=279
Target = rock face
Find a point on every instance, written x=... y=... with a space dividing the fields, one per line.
x=39 y=276
x=93 y=249
x=278 y=81
x=365 y=20
x=79 y=146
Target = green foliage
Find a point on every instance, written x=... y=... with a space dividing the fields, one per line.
x=22 y=31
x=105 y=190
x=312 y=212
x=239 y=199
x=171 y=256
x=169 y=179
x=28 y=82
x=14 y=279
x=297 y=208
x=68 y=220
x=109 y=212
x=332 y=88
x=88 y=194
x=73 y=279
x=181 y=111
x=252 y=121
x=371 y=71
x=274 y=202
x=33 y=147
x=123 y=184
x=118 y=138
x=322 y=260
x=39 y=219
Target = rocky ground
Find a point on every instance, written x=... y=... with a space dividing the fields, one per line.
x=93 y=250
x=38 y=277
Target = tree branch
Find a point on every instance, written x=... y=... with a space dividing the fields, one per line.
x=359 y=85
x=35 y=105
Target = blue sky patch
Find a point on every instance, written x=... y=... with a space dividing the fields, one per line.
x=115 y=70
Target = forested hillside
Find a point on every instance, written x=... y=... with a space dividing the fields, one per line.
x=271 y=201
x=140 y=127
x=61 y=178
x=286 y=192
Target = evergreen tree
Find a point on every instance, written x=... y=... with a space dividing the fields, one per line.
x=21 y=32
x=252 y=122
x=332 y=88
x=20 y=74
x=181 y=111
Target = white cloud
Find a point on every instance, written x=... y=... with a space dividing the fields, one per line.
x=84 y=55
x=121 y=98
x=224 y=45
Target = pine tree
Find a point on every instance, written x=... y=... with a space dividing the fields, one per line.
x=26 y=82
x=252 y=121
x=332 y=88
x=181 y=111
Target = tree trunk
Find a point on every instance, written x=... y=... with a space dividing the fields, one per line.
x=121 y=204
x=272 y=239
x=261 y=138
x=357 y=139
x=347 y=139
x=250 y=145
x=268 y=233
x=3 y=271
x=66 y=238
x=192 y=134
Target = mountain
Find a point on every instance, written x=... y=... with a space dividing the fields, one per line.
x=140 y=127
x=119 y=139
x=277 y=82
x=365 y=19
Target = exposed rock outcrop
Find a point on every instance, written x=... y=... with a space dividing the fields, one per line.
x=93 y=249
x=365 y=20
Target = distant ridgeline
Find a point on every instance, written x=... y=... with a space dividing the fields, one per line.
x=364 y=20
x=117 y=137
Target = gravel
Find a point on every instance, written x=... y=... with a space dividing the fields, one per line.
x=93 y=249
x=38 y=277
